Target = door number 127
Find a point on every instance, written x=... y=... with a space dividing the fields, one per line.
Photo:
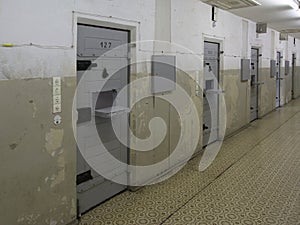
x=105 y=44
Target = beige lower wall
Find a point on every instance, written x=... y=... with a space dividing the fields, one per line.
x=284 y=88
x=288 y=88
x=237 y=97
x=38 y=159
x=297 y=82
x=267 y=92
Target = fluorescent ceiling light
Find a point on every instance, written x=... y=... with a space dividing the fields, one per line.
x=293 y=3
x=256 y=2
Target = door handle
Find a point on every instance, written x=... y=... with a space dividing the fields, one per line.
x=205 y=127
x=209 y=67
x=218 y=92
x=259 y=83
x=280 y=78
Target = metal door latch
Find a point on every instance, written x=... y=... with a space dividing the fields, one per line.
x=105 y=73
x=218 y=92
x=259 y=83
x=209 y=67
x=205 y=127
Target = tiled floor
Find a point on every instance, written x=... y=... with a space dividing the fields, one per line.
x=255 y=179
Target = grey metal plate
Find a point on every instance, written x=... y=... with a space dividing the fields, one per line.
x=211 y=51
x=287 y=67
x=273 y=68
x=97 y=41
x=163 y=66
x=245 y=69
x=84 y=115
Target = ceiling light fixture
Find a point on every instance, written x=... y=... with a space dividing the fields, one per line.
x=293 y=3
x=256 y=2
x=231 y=4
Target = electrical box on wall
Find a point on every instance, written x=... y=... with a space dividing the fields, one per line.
x=261 y=28
x=287 y=67
x=163 y=66
x=245 y=69
x=273 y=68
x=283 y=36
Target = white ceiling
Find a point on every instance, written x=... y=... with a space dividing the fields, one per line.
x=278 y=14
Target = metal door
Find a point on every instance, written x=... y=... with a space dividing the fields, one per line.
x=211 y=93
x=110 y=69
x=278 y=78
x=293 y=75
x=254 y=84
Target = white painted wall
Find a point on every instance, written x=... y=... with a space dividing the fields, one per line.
x=189 y=28
x=50 y=25
x=44 y=23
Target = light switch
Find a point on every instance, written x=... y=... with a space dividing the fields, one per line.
x=56 y=108
x=56 y=99
x=56 y=93
x=56 y=81
x=56 y=90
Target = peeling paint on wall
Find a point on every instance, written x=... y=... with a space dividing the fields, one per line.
x=60 y=176
x=54 y=140
x=267 y=92
x=237 y=99
x=34 y=108
x=37 y=154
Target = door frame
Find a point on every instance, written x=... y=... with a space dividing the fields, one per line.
x=133 y=29
x=294 y=58
x=278 y=76
x=259 y=66
x=221 y=110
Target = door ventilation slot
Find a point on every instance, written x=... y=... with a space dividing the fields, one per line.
x=84 y=177
x=231 y=4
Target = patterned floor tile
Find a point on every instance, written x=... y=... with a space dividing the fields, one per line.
x=255 y=179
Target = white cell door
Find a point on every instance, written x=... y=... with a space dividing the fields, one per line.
x=98 y=66
x=254 y=84
x=211 y=93
x=278 y=79
x=293 y=75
